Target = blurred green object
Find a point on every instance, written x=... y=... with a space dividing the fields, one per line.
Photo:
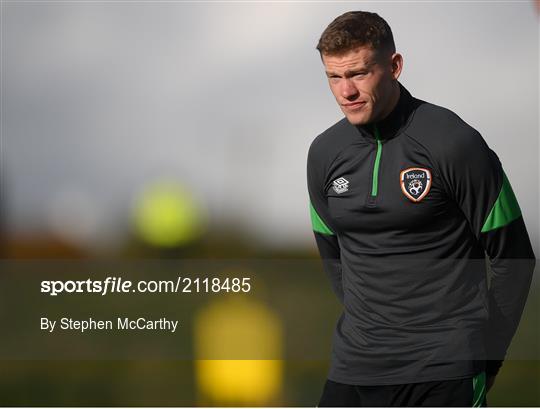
x=167 y=215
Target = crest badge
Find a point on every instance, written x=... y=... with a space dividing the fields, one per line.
x=415 y=183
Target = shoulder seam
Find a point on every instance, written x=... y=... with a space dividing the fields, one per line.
x=433 y=161
x=337 y=155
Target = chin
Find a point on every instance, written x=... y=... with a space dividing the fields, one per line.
x=357 y=120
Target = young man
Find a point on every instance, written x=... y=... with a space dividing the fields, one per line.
x=406 y=200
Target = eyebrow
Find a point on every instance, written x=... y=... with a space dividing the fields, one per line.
x=347 y=74
x=352 y=73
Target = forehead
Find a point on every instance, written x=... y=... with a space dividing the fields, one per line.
x=361 y=57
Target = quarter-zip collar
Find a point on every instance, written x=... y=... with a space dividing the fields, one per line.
x=392 y=124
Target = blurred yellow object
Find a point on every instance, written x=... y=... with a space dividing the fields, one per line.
x=239 y=329
x=240 y=382
x=167 y=215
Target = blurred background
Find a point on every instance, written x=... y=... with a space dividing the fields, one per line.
x=149 y=130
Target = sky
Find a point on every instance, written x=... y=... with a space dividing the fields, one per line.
x=101 y=99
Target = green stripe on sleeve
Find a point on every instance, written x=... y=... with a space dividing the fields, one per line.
x=479 y=389
x=505 y=209
x=318 y=225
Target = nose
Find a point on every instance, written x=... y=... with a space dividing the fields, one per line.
x=348 y=90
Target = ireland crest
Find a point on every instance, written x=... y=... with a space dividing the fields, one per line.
x=415 y=183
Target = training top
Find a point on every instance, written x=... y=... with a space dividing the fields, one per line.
x=404 y=212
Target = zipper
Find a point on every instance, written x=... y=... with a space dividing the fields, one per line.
x=376 y=165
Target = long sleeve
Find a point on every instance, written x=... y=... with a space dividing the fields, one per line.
x=476 y=181
x=325 y=237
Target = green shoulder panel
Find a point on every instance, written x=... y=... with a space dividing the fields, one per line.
x=318 y=225
x=504 y=210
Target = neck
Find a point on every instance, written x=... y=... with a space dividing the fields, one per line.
x=394 y=98
x=394 y=117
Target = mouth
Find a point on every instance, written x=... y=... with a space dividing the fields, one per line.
x=354 y=105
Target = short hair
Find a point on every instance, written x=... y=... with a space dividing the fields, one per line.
x=354 y=29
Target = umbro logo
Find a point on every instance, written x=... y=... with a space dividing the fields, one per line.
x=340 y=185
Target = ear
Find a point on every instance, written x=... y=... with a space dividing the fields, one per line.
x=397 y=65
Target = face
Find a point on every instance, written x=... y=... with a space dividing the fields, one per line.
x=364 y=83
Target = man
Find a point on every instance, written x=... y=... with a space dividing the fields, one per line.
x=406 y=200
